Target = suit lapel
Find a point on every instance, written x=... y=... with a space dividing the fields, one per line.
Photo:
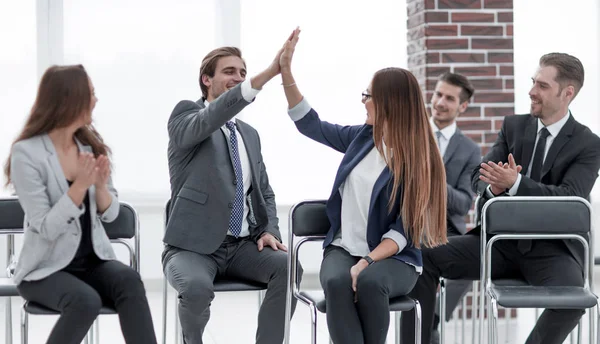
x=528 y=144
x=54 y=163
x=382 y=181
x=452 y=145
x=361 y=146
x=564 y=135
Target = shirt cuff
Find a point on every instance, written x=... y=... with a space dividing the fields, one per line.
x=398 y=238
x=515 y=187
x=248 y=92
x=300 y=110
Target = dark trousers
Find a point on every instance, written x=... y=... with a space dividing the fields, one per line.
x=192 y=275
x=365 y=319
x=78 y=295
x=548 y=263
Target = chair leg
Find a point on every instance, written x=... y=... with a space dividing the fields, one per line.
x=164 y=311
x=313 y=320
x=507 y=321
x=397 y=320
x=580 y=331
x=418 y=322
x=442 y=310
x=474 y=294
x=90 y=336
x=24 y=326
x=494 y=321
x=97 y=331
x=8 y=319
x=463 y=321
x=86 y=340
x=178 y=330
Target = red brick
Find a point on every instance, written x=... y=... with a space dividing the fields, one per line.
x=476 y=70
x=509 y=84
x=484 y=151
x=430 y=83
x=499 y=111
x=446 y=44
x=497 y=4
x=430 y=4
x=433 y=57
x=490 y=137
x=472 y=111
x=436 y=71
x=441 y=30
x=487 y=84
x=463 y=57
x=472 y=17
x=498 y=124
x=473 y=124
x=436 y=17
x=494 y=97
x=492 y=43
x=507 y=70
x=500 y=57
x=505 y=17
x=477 y=137
x=459 y=4
x=509 y=30
x=481 y=30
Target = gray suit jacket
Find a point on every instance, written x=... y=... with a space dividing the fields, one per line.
x=202 y=176
x=462 y=156
x=52 y=227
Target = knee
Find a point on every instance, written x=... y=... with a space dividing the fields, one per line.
x=369 y=284
x=85 y=303
x=131 y=282
x=196 y=294
x=336 y=283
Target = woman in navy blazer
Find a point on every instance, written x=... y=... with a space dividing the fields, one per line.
x=388 y=199
x=60 y=170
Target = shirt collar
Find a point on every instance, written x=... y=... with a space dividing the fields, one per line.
x=447 y=132
x=555 y=128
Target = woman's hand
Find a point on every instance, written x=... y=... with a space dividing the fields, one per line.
x=285 y=59
x=87 y=171
x=103 y=165
x=355 y=271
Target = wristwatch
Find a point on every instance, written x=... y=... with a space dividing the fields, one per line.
x=368 y=259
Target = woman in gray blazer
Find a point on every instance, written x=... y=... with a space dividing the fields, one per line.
x=61 y=174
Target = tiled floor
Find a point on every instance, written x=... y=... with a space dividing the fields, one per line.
x=245 y=306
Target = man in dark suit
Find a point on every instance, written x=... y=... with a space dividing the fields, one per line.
x=545 y=153
x=461 y=155
x=223 y=219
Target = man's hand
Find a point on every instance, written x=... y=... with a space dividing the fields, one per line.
x=500 y=176
x=267 y=239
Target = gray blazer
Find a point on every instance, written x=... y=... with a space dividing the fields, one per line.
x=462 y=156
x=52 y=228
x=202 y=176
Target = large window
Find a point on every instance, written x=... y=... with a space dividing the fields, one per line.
x=338 y=52
x=143 y=57
x=18 y=74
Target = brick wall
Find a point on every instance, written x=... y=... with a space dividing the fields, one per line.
x=474 y=38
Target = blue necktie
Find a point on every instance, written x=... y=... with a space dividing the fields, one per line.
x=237 y=212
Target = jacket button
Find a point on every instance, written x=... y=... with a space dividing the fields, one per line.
x=234 y=182
x=70 y=220
x=230 y=205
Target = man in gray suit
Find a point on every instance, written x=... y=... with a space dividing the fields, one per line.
x=223 y=220
x=461 y=155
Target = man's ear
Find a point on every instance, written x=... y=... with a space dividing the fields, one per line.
x=206 y=80
x=463 y=106
x=570 y=92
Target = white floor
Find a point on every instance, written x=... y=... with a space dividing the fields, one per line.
x=245 y=305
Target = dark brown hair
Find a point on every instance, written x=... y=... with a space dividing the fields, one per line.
x=209 y=64
x=63 y=97
x=569 y=70
x=411 y=154
x=461 y=81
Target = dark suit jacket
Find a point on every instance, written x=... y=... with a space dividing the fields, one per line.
x=570 y=168
x=461 y=157
x=202 y=176
x=356 y=142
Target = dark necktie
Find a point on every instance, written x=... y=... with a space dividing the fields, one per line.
x=524 y=246
x=237 y=212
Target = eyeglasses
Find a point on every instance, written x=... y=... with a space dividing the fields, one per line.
x=366 y=96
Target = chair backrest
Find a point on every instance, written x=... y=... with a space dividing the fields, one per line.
x=537 y=215
x=11 y=215
x=125 y=226
x=308 y=218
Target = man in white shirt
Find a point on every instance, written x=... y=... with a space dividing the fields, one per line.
x=461 y=155
x=549 y=154
x=222 y=219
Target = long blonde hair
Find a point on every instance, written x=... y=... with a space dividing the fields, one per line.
x=411 y=154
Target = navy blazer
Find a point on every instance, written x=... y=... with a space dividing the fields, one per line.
x=356 y=142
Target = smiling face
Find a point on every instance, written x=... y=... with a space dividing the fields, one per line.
x=446 y=104
x=549 y=100
x=229 y=72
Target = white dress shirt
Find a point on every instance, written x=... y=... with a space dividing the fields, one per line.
x=446 y=135
x=553 y=129
x=249 y=94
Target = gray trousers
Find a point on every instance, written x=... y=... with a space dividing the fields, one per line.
x=192 y=275
x=364 y=317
